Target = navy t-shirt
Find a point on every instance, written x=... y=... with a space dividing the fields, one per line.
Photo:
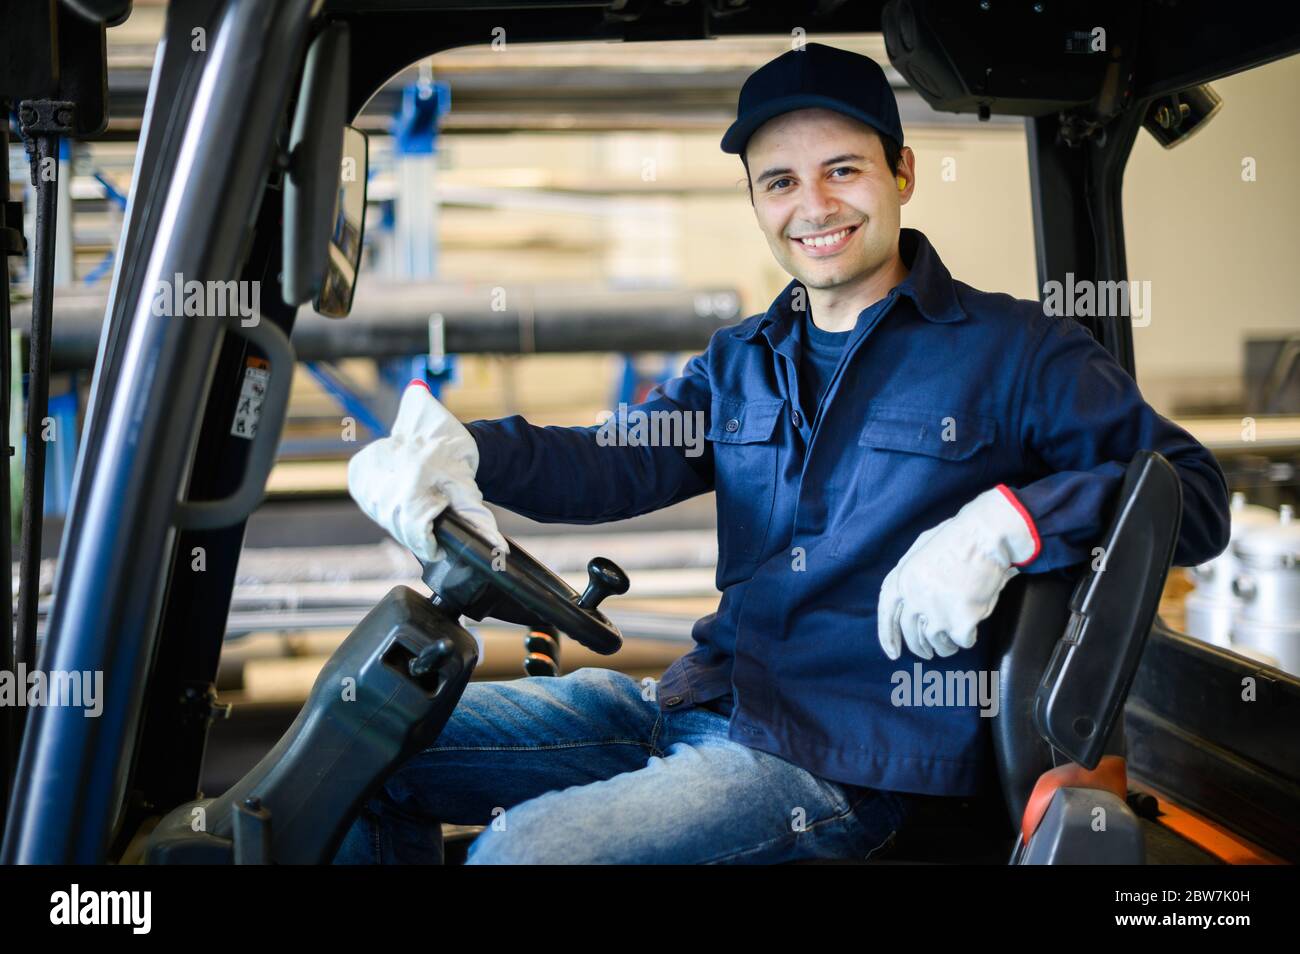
x=817 y=360
x=818 y=357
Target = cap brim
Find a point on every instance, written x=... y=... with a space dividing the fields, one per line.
x=737 y=135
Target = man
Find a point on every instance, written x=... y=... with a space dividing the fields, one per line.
x=888 y=448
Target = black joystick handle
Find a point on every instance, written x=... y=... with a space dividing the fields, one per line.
x=603 y=579
x=424 y=668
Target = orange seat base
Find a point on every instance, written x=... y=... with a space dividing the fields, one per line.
x=1110 y=775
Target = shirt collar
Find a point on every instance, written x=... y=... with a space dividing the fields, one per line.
x=929 y=284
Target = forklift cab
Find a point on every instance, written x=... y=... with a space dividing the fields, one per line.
x=152 y=484
x=1065 y=662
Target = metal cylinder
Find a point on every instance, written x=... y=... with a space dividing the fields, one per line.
x=394 y=320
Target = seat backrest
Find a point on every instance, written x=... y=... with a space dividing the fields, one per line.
x=1068 y=645
x=1031 y=614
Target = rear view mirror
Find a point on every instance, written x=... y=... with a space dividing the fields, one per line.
x=349 y=224
x=315 y=146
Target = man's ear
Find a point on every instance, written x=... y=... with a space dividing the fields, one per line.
x=906 y=176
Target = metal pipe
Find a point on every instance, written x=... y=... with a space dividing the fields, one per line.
x=390 y=321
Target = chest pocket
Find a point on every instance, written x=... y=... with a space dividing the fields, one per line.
x=916 y=457
x=745 y=459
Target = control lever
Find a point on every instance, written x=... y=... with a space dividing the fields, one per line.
x=604 y=578
x=424 y=668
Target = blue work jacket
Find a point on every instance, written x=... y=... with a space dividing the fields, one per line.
x=942 y=392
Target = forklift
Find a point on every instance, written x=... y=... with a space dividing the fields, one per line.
x=237 y=178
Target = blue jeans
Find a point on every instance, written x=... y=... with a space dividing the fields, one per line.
x=585 y=769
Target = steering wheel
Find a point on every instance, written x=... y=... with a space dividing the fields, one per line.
x=516 y=588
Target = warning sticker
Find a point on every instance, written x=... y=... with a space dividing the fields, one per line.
x=251 y=395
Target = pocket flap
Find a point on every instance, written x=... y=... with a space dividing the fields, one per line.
x=736 y=421
x=947 y=436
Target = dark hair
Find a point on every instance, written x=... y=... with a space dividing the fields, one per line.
x=893 y=152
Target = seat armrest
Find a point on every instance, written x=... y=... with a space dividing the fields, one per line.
x=1087 y=679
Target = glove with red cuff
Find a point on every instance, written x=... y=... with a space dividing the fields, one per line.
x=951 y=577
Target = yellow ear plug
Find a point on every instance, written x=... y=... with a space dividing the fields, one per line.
x=902 y=183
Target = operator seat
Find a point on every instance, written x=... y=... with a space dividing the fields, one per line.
x=1067 y=650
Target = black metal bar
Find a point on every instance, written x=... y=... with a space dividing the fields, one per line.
x=1076 y=172
x=43 y=123
x=9 y=726
x=1104 y=198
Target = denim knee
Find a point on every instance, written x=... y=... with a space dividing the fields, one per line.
x=518 y=837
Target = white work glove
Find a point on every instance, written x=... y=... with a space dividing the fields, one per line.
x=403 y=481
x=951 y=577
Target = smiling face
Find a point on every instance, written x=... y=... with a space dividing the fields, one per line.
x=825 y=198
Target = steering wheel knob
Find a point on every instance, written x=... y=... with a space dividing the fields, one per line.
x=603 y=579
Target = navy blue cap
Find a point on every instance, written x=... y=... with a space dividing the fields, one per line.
x=816 y=75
